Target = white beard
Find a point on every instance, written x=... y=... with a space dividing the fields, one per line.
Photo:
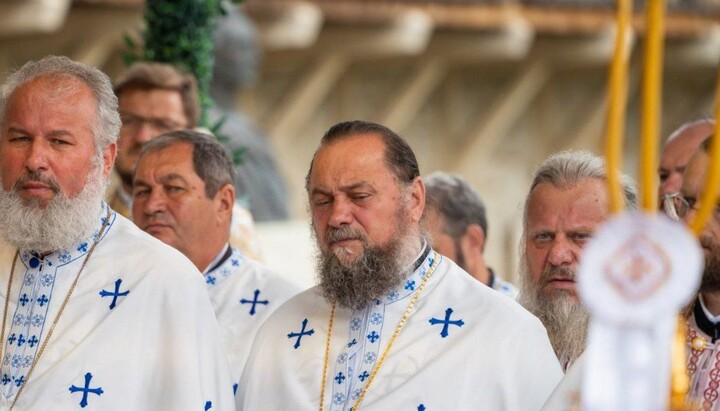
x=63 y=223
x=565 y=320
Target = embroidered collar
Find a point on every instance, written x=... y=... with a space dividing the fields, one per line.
x=407 y=287
x=32 y=259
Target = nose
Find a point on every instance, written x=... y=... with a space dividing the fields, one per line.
x=153 y=203
x=341 y=213
x=145 y=133
x=671 y=184
x=36 y=159
x=561 y=253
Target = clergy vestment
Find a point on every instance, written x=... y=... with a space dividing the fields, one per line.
x=138 y=332
x=243 y=293
x=703 y=363
x=464 y=346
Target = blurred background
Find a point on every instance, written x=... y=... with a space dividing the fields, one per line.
x=486 y=89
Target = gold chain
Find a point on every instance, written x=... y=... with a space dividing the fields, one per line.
x=57 y=317
x=381 y=361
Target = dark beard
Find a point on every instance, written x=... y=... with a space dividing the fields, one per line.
x=711 y=274
x=370 y=276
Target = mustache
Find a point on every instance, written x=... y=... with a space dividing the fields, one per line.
x=343 y=233
x=558 y=273
x=38 y=177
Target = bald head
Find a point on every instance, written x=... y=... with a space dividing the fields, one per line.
x=677 y=151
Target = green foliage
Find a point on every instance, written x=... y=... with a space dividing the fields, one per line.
x=180 y=32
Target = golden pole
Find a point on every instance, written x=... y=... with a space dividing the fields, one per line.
x=709 y=198
x=617 y=104
x=651 y=103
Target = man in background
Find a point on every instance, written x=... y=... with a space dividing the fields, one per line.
x=566 y=203
x=155 y=98
x=456 y=220
x=183 y=195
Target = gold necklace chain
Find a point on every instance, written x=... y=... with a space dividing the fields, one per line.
x=381 y=361
x=57 y=317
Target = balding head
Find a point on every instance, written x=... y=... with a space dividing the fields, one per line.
x=677 y=151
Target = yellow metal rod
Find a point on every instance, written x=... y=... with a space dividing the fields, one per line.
x=618 y=84
x=709 y=198
x=651 y=103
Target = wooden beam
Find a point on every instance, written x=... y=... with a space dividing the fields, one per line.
x=589 y=133
x=511 y=41
x=305 y=97
x=294 y=25
x=413 y=94
x=703 y=50
x=32 y=16
x=406 y=33
x=512 y=104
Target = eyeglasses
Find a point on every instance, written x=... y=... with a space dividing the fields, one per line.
x=160 y=125
x=677 y=207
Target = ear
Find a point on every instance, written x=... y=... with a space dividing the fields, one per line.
x=224 y=201
x=475 y=237
x=109 y=159
x=417 y=199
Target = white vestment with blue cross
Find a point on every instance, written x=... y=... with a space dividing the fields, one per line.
x=138 y=332
x=243 y=294
x=464 y=347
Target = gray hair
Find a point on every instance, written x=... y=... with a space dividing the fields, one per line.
x=457 y=202
x=106 y=128
x=210 y=160
x=568 y=168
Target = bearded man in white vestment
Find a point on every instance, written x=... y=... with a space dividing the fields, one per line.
x=183 y=194
x=566 y=203
x=393 y=324
x=96 y=313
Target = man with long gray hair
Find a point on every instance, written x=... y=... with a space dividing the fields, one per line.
x=96 y=311
x=567 y=201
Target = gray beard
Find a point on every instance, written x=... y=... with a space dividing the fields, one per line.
x=60 y=225
x=565 y=320
x=371 y=275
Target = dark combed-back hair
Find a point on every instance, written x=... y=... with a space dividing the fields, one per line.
x=210 y=160
x=149 y=76
x=457 y=202
x=399 y=157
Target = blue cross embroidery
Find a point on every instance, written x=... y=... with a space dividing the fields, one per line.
x=12 y=339
x=42 y=300
x=410 y=285
x=421 y=407
x=86 y=390
x=21 y=340
x=5 y=379
x=115 y=294
x=373 y=336
x=20 y=381
x=83 y=247
x=446 y=322
x=340 y=378
x=32 y=341
x=210 y=280
x=24 y=300
x=301 y=333
x=235 y=262
x=254 y=302
x=363 y=376
x=351 y=343
x=208 y=405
